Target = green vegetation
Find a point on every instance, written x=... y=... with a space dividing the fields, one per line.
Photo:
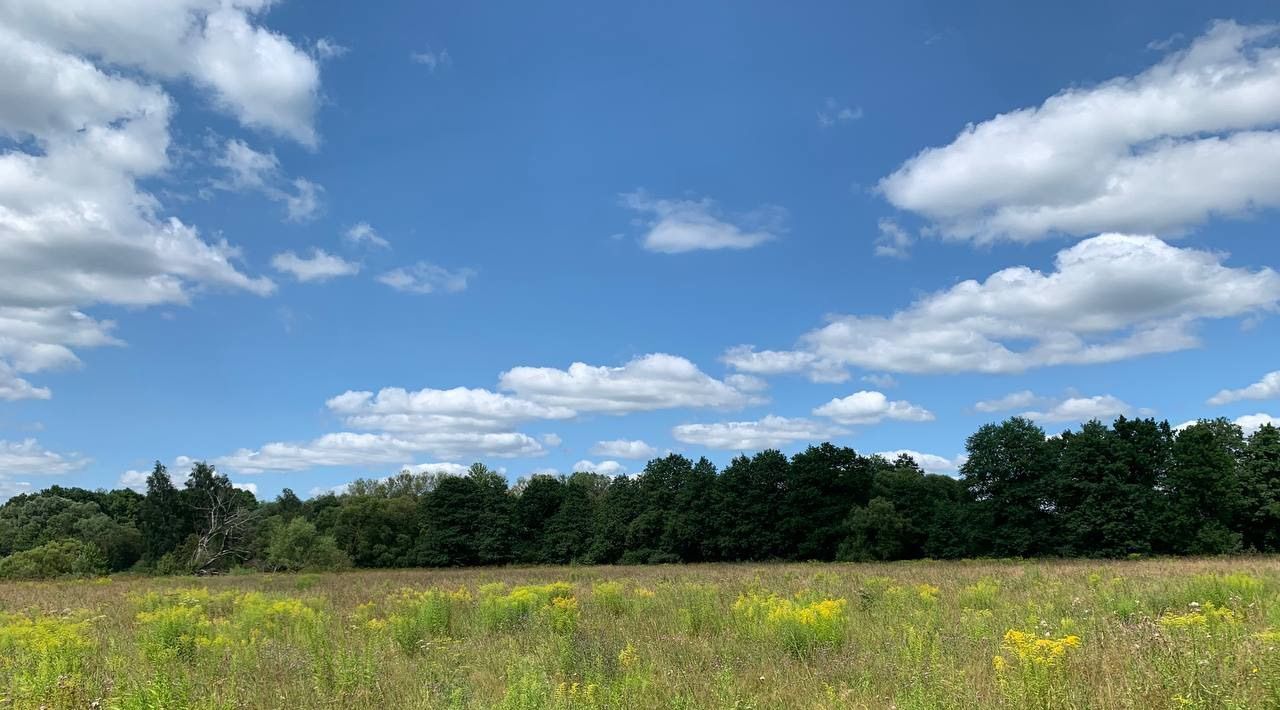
x=1136 y=487
x=1167 y=633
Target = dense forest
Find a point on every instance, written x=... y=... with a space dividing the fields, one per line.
x=1135 y=487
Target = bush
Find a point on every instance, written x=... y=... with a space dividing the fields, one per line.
x=60 y=558
x=298 y=546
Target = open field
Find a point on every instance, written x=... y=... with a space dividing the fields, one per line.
x=1199 y=633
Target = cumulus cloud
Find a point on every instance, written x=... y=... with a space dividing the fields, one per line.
x=1081 y=409
x=134 y=480
x=447 y=468
x=624 y=449
x=254 y=74
x=320 y=266
x=605 y=468
x=364 y=233
x=1248 y=423
x=768 y=432
x=1266 y=388
x=745 y=358
x=86 y=122
x=1109 y=298
x=430 y=410
x=654 y=381
x=364 y=448
x=425 y=277
x=869 y=407
x=250 y=487
x=13 y=387
x=677 y=226
x=1191 y=137
x=1013 y=400
x=28 y=457
x=931 y=463
x=395 y=425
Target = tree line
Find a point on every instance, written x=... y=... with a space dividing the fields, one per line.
x=1135 y=487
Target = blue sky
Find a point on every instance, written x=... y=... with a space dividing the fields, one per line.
x=310 y=242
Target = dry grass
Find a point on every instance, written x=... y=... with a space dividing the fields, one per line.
x=1198 y=633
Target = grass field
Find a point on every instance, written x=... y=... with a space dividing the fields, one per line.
x=1143 y=634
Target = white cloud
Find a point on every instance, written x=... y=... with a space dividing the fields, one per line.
x=250 y=487
x=364 y=233
x=460 y=409
x=432 y=60
x=395 y=425
x=248 y=170
x=76 y=229
x=320 y=266
x=894 y=241
x=14 y=388
x=1266 y=388
x=832 y=113
x=304 y=202
x=769 y=432
x=1111 y=297
x=604 y=468
x=28 y=457
x=447 y=468
x=353 y=449
x=424 y=277
x=134 y=480
x=255 y=74
x=551 y=439
x=1013 y=400
x=1250 y=423
x=868 y=407
x=1081 y=409
x=624 y=449
x=745 y=358
x=1191 y=137
x=931 y=463
x=677 y=226
x=648 y=382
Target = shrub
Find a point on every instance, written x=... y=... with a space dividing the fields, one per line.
x=418 y=616
x=798 y=627
x=60 y=558
x=297 y=546
x=515 y=608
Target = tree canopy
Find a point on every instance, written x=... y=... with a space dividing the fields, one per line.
x=1136 y=486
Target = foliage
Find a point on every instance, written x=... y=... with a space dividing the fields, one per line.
x=1136 y=487
x=54 y=559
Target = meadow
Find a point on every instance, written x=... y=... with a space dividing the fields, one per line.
x=1159 y=633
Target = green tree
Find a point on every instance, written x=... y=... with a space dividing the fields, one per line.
x=1009 y=473
x=296 y=545
x=163 y=518
x=1260 y=490
x=824 y=483
x=1204 y=489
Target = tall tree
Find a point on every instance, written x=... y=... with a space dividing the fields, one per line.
x=1260 y=490
x=163 y=518
x=1204 y=488
x=1008 y=472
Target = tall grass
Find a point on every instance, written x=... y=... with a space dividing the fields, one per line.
x=1138 y=634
